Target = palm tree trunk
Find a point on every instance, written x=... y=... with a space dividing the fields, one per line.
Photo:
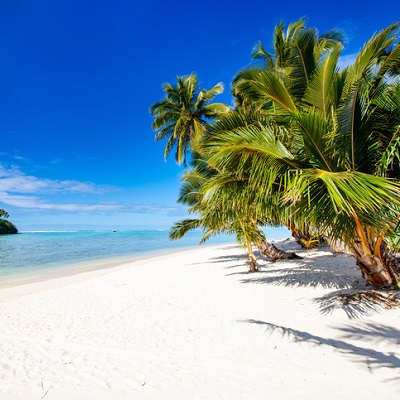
x=271 y=251
x=374 y=270
x=252 y=260
x=391 y=262
x=370 y=253
x=252 y=263
x=305 y=239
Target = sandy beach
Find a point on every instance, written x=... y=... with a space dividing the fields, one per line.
x=196 y=325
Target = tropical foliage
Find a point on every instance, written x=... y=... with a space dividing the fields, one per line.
x=183 y=115
x=6 y=227
x=309 y=145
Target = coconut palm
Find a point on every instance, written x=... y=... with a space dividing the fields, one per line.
x=332 y=173
x=213 y=218
x=183 y=115
x=296 y=55
x=221 y=201
x=273 y=213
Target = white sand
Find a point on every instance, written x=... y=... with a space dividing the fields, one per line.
x=195 y=325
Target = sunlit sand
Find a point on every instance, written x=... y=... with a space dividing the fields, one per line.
x=196 y=325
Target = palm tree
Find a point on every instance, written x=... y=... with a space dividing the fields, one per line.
x=297 y=54
x=213 y=218
x=295 y=57
x=220 y=201
x=249 y=117
x=182 y=116
x=332 y=171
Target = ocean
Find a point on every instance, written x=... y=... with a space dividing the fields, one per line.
x=28 y=254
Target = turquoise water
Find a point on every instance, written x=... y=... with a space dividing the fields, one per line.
x=30 y=252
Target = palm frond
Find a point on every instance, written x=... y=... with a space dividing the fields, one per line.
x=268 y=86
x=303 y=61
x=319 y=92
x=180 y=228
x=315 y=128
x=259 y=53
x=373 y=50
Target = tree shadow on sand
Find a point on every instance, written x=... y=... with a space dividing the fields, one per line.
x=309 y=273
x=351 y=293
x=358 y=303
x=367 y=356
x=240 y=259
x=317 y=268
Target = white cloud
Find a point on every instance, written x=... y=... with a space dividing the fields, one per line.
x=34 y=202
x=35 y=194
x=37 y=203
x=15 y=181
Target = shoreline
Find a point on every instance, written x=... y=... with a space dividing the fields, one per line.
x=30 y=254
x=194 y=324
x=66 y=269
x=42 y=280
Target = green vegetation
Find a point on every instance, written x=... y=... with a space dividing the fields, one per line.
x=309 y=146
x=182 y=116
x=6 y=227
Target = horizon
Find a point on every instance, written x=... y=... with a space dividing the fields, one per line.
x=78 y=81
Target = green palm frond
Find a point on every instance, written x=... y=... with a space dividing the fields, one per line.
x=180 y=228
x=319 y=92
x=373 y=50
x=268 y=86
x=259 y=53
x=303 y=61
x=390 y=65
x=170 y=143
x=331 y=197
x=390 y=158
x=182 y=146
x=238 y=119
x=205 y=96
x=215 y=110
x=328 y=41
x=165 y=132
x=191 y=183
x=315 y=128
x=165 y=118
x=352 y=137
x=238 y=146
x=186 y=109
x=163 y=106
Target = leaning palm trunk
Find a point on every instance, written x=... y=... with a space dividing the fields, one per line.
x=305 y=239
x=378 y=264
x=301 y=233
x=379 y=269
x=392 y=263
x=271 y=251
x=252 y=260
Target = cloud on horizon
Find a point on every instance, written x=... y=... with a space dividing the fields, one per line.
x=37 y=194
x=14 y=180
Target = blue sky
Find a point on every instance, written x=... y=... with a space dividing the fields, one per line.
x=78 y=77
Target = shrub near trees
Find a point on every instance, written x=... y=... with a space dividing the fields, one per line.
x=312 y=146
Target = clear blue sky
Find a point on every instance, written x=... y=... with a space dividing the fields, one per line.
x=78 y=77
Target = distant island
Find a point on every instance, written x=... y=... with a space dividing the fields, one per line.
x=6 y=227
